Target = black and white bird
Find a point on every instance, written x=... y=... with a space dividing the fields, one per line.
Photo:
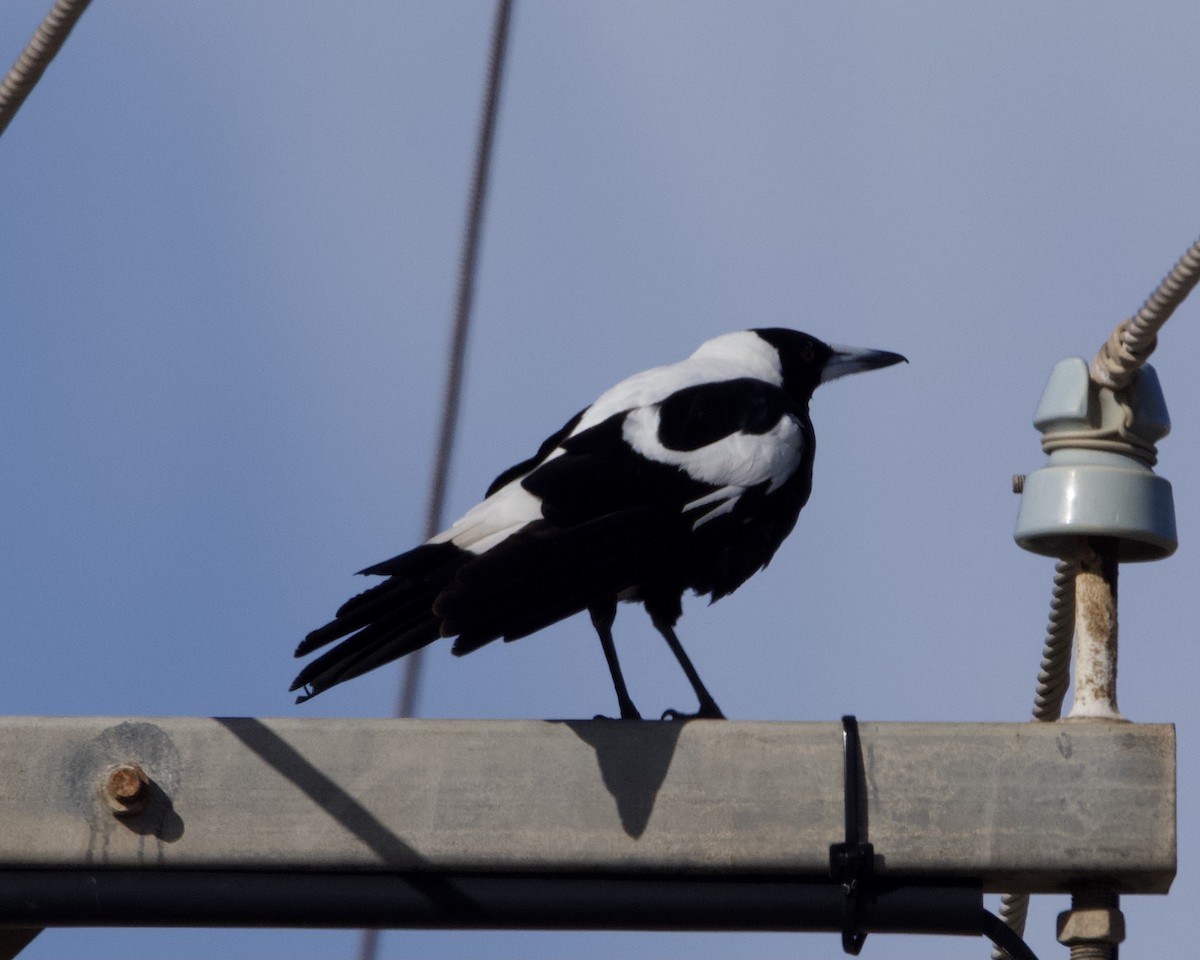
x=684 y=477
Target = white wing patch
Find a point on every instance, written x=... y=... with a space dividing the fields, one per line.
x=733 y=464
x=509 y=509
x=741 y=459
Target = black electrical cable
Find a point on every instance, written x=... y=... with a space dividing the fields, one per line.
x=410 y=684
x=413 y=663
x=1005 y=937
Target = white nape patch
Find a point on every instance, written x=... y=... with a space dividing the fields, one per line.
x=745 y=350
x=727 y=357
x=509 y=509
x=740 y=459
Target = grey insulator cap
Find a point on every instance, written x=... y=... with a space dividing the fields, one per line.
x=1099 y=480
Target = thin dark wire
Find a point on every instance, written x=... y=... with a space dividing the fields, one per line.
x=411 y=683
x=1005 y=938
x=411 y=686
x=46 y=41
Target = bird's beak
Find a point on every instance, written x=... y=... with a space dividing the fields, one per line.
x=846 y=360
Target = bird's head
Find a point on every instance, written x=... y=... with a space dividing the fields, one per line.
x=807 y=362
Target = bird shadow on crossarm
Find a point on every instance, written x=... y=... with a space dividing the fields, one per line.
x=634 y=758
x=346 y=810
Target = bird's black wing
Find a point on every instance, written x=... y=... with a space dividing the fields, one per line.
x=696 y=416
x=525 y=466
x=648 y=496
x=599 y=473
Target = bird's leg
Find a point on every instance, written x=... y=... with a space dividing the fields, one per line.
x=603 y=615
x=708 y=706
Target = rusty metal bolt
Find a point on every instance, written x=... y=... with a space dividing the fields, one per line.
x=1091 y=925
x=124 y=788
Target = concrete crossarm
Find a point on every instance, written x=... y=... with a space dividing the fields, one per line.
x=1019 y=807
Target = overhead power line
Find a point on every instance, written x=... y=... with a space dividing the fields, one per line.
x=410 y=684
x=1134 y=339
x=47 y=40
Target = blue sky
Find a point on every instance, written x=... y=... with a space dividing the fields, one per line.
x=226 y=279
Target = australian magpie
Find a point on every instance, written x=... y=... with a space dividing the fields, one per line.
x=684 y=477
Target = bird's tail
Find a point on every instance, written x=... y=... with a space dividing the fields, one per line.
x=533 y=578
x=383 y=623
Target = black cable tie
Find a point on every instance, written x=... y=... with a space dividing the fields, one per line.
x=852 y=863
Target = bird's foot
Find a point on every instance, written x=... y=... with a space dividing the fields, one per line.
x=707 y=711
